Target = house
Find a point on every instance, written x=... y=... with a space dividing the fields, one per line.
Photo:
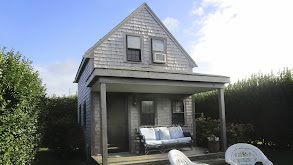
x=138 y=74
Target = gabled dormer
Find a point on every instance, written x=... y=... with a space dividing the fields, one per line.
x=140 y=42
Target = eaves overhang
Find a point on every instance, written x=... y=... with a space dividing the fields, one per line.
x=119 y=80
x=80 y=69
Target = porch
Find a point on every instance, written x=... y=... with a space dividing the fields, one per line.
x=155 y=158
x=136 y=88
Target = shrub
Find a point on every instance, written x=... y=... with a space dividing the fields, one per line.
x=262 y=100
x=205 y=127
x=62 y=134
x=21 y=96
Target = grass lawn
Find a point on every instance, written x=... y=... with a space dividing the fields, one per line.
x=278 y=157
x=46 y=157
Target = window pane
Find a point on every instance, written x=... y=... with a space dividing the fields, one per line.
x=178 y=118
x=133 y=42
x=178 y=106
x=133 y=55
x=158 y=45
x=84 y=115
x=178 y=112
x=79 y=114
x=147 y=113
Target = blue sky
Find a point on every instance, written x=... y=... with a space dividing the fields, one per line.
x=231 y=37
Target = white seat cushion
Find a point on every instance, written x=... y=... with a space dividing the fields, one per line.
x=157 y=131
x=153 y=142
x=149 y=133
x=164 y=134
x=170 y=141
x=184 y=139
x=176 y=132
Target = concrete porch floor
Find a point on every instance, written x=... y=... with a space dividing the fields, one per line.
x=155 y=158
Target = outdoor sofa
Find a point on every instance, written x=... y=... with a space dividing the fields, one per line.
x=158 y=138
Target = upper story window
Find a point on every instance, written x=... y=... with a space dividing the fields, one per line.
x=159 y=50
x=133 y=48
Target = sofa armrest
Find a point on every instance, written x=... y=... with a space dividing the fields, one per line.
x=141 y=138
x=187 y=134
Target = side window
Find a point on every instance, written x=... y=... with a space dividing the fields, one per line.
x=147 y=113
x=133 y=48
x=178 y=112
x=84 y=115
x=79 y=114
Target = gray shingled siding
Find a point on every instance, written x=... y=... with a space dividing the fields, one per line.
x=188 y=115
x=134 y=120
x=164 y=111
x=95 y=131
x=84 y=97
x=112 y=53
x=164 y=114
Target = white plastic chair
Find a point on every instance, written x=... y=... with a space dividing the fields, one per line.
x=245 y=154
x=178 y=158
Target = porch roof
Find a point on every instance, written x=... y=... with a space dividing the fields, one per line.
x=150 y=81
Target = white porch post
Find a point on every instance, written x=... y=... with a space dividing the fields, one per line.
x=104 y=124
x=222 y=119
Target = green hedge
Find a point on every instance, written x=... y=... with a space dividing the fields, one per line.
x=266 y=101
x=21 y=96
x=62 y=134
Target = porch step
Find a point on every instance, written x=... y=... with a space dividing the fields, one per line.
x=217 y=161
x=209 y=156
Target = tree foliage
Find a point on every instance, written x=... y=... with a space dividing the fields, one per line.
x=21 y=96
x=265 y=100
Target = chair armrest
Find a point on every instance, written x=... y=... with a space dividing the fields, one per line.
x=267 y=162
x=187 y=134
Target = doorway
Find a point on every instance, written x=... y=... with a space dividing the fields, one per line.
x=117 y=123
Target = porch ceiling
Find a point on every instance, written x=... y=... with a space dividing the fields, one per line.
x=137 y=88
x=131 y=85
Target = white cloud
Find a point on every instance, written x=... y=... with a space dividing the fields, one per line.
x=58 y=77
x=171 y=23
x=245 y=37
x=198 y=11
